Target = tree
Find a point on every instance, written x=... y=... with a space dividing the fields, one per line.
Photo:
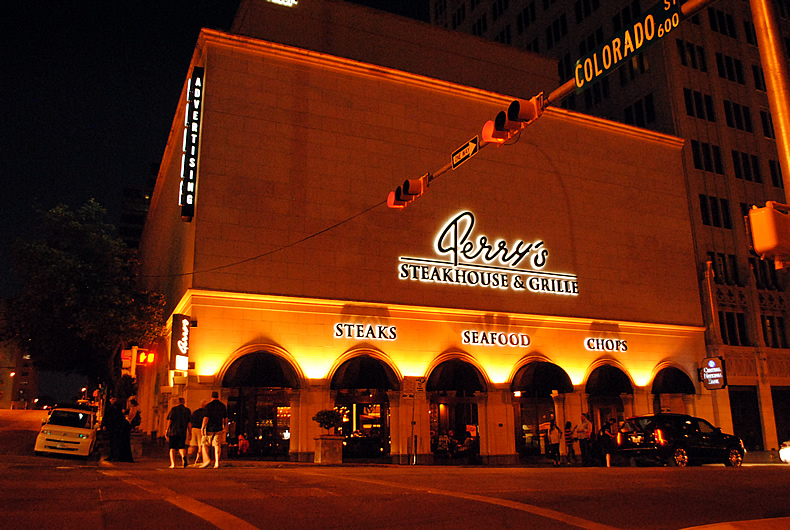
x=80 y=302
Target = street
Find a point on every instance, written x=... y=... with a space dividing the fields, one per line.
x=65 y=493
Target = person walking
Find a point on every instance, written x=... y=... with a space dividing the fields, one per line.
x=196 y=432
x=176 y=432
x=555 y=436
x=583 y=433
x=609 y=439
x=214 y=424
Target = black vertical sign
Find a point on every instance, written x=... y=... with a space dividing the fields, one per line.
x=189 y=157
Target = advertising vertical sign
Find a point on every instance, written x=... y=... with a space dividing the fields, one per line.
x=179 y=343
x=713 y=373
x=191 y=146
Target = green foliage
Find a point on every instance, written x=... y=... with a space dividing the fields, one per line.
x=328 y=418
x=81 y=301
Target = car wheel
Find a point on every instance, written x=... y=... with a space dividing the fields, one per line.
x=734 y=458
x=679 y=458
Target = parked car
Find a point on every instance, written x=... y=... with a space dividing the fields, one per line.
x=67 y=430
x=678 y=440
x=784 y=452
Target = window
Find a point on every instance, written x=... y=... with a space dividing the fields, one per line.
x=692 y=55
x=733 y=328
x=584 y=8
x=776 y=173
x=725 y=268
x=746 y=166
x=556 y=31
x=533 y=46
x=730 y=68
x=699 y=105
x=480 y=27
x=759 y=78
x=498 y=8
x=504 y=36
x=707 y=157
x=459 y=16
x=641 y=112
x=715 y=211
x=525 y=17
x=722 y=22
x=774 y=331
x=738 y=116
x=751 y=34
x=768 y=124
x=764 y=274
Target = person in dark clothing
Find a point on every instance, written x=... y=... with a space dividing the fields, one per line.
x=176 y=432
x=214 y=425
x=119 y=432
x=196 y=427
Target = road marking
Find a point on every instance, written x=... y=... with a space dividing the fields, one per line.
x=215 y=516
x=529 y=508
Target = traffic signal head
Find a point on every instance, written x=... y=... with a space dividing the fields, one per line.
x=408 y=191
x=770 y=232
x=520 y=113
x=145 y=357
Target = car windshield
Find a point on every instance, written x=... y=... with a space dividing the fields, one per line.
x=70 y=418
x=637 y=424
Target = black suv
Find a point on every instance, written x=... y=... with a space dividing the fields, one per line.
x=678 y=440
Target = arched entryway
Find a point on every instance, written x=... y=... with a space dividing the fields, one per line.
x=606 y=387
x=259 y=403
x=360 y=387
x=669 y=386
x=532 y=387
x=455 y=389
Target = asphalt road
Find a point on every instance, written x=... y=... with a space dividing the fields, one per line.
x=54 y=492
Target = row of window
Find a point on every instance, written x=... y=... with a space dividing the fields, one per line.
x=725 y=271
x=699 y=105
x=730 y=68
x=746 y=166
x=734 y=331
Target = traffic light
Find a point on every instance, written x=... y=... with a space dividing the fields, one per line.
x=408 y=191
x=520 y=113
x=145 y=357
x=770 y=232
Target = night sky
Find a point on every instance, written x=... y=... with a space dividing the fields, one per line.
x=89 y=90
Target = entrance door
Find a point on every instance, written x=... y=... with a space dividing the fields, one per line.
x=263 y=416
x=745 y=410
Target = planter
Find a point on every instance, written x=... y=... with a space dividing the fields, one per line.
x=329 y=449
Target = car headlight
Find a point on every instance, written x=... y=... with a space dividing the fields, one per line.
x=784 y=454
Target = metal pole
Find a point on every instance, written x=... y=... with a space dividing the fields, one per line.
x=776 y=78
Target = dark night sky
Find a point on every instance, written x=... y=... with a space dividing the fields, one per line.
x=89 y=90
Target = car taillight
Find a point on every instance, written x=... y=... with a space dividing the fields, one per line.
x=660 y=437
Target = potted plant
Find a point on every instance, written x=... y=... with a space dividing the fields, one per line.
x=328 y=447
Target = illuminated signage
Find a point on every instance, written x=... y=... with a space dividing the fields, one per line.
x=648 y=29
x=365 y=331
x=286 y=3
x=179 y=343
x=713 y=374
x=479 y=262
x=594 y=344
x=189 y=156
x=495 y=338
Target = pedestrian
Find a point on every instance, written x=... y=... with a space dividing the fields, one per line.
x=609 y=440
x=196 y=431
x=555 y=436
x=176 y=432
x=570 y=439
x=133 y=414
x=583 y=433
x=119 y=433
x=214 y=424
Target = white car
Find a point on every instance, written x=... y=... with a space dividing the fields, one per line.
x=784 y=452
x=70 y=431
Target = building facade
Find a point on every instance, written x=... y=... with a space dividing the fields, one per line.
x=538 y=280
x=704 y=83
